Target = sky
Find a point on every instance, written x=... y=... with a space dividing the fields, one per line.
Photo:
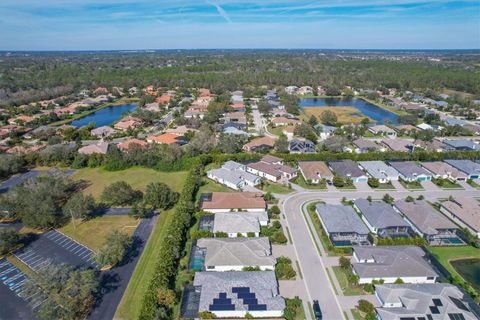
x=199 y=24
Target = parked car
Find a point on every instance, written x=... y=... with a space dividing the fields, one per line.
x=317 y=311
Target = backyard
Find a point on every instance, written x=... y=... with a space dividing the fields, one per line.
x=97 y=178
x=276 y=188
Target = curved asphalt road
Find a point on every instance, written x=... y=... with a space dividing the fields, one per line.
x=314 y=274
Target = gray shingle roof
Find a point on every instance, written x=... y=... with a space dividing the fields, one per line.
x=409 y=169
x=379 y=169
x=237 y=251
x=243 y=222
x=346 y=168
x=380 y=214
x=423 y=216
x=467 y=166
x=262 y=283
x=340 y=218
x=415 y=301
x=392 y=262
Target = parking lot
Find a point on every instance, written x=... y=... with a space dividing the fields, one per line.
x=14 y=301
x=54 y=246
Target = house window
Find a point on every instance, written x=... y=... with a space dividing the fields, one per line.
x=430 y=278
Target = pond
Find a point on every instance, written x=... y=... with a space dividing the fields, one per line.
x=105 y=116
x=370 y=110
x=469 y=269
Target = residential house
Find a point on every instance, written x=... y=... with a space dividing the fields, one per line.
x=166 y=138
x=127 y=123
x=474 y=128
x=402 y=145
x=383 y=130
x=102 y=132
x=428 y=222
x=449 y=121
x=235 y=254
x=424 y=301
x=342 y=224
x=291 y=89
x=100 y=147
x=233 y=201
x=305 y=90
x=301 y=146
x=461 y=144
x=259 y=144
x=405 y=129
x=235 y=131
x=379 y=170
x=127 y=144
x=441 y=170
x=314 y=171
x=382 y=219
x=282 y=121
x=289 y=131
x=463 y=211
x=410 y=171
x=324 y=131
x=472 y=169
x=389 y=263
x=233 y=175
x=164 y=99
x=238 y=117
x=180 y=130
x=348 y=169
x=434 y=145
x=233 y=294
x=235 y=224
x=272 y=168
x=153 y=107
x=366 y=145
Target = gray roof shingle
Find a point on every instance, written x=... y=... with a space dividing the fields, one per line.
x=340 y=218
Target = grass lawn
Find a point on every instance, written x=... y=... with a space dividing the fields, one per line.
x=411 y=185
x=446 y=184
x=278 y=131
x=346 y=188
x=473 y=184
x=347 y=289
x=386 y=186
x=137 y=177
x=211 y=186
x=99 y=227
x=344 y=114
x=20 y=265
x=131 y=303
x=302 y=183
x=276 y=188
x=446 y=254
x=357 y=315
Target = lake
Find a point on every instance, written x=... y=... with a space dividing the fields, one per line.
x=469 y=269
x=370 y=110
x=105 y=116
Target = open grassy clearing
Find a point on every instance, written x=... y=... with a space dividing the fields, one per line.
x=93 y=232
x=446 y=254
x=344 y=114
x=131 y=303
x=278 y=131
x=211 y=186
x=137 y=177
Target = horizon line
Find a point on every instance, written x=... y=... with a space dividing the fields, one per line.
x=231 y=49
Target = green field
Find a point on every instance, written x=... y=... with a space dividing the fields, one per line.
x=446 y=254
x=99 y=227
x=97 y=178
x=131 y=303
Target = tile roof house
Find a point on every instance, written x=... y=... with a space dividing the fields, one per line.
x=366 y=145
x=382 y=219
x=301 y=146
x=166 y=138
x=472 y=169
x=379 y=170
x=383 y=130
x=233 y=294
x=103 y=131
x=234 y=254
x=127 y=144
x=411 y=171
x=465 y=212
x=100 y=147
x=348 y=169
x=128 y=123
x=424 y=301
x=402 y=145
x=272 y=168
x=239 y=223
x=441 y=170
x=389 y=263
x=342 y=224
x=153 y=107
x=233 y=175
x=180 y=130
x=314 y=171
x=430 y=224
x=259 y=143
x=233 y=201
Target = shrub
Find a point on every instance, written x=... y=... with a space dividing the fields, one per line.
x=284 y=269
x=120 y=193
x=291 y=308
x=373 y=182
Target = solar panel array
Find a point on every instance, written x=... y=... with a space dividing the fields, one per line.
x=249 y=299
x=222 y=303
x=456 y=316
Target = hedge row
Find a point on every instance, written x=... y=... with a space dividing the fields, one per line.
x=170 y=250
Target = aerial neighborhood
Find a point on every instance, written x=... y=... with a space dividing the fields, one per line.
x=183 y=198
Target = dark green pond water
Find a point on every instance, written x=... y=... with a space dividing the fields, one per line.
x=469 y=269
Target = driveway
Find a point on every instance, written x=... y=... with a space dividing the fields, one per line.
x=115 y=281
